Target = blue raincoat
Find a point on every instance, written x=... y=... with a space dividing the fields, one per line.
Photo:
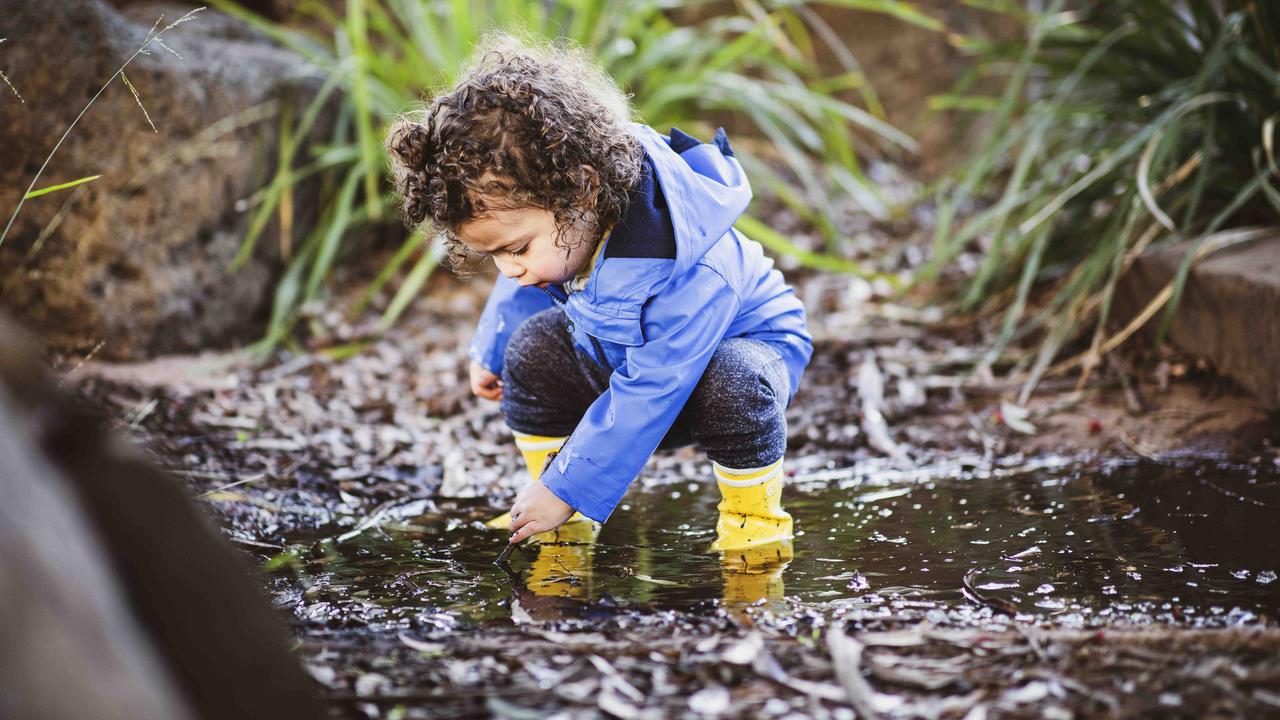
x=656 y=317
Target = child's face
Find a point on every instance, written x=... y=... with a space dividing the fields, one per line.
x=522 y=245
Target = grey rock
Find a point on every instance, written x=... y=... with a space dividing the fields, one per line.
x=138 y=260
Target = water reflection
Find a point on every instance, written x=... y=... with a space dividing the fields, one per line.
x=563 y=560
x=751 y=575
x=1187 y=543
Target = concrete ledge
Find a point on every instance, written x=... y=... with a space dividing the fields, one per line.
x=1230 y=309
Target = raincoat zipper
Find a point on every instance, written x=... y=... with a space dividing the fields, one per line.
x=604 y=362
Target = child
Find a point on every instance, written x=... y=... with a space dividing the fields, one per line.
x=629 y=315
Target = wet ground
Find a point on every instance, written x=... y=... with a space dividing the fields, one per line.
x=966 y=588
x=1188 y=543
x=939 y=568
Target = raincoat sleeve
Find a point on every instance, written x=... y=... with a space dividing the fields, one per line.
x=508 y=306
x=682 y=328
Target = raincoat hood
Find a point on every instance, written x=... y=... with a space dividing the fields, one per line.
x=705 y=188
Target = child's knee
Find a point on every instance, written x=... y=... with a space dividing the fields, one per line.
x=531 y=341
x=739 y=416
x=745 y=379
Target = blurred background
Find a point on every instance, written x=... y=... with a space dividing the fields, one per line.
x=996 y=159
x=1020 y=229
x=262 y=123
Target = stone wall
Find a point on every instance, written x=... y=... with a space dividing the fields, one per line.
x=1229 y=313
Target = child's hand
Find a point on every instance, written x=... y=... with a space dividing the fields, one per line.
x=484 y=383
x=536 y=510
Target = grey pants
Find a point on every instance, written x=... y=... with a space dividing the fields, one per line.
x=736 y=413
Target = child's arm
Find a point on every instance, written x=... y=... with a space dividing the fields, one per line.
x=682 y=326
x=507 y=307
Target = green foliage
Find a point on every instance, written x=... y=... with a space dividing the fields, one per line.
x=1122 y=126
x=756 y=62
x=60 y=186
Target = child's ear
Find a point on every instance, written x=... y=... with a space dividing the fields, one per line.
x=593 y=184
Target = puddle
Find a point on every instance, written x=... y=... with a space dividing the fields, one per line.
x=1190 y=543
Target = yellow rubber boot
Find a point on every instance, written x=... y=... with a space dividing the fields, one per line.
x=537 y=451
x=563 y=565
x=751 y=514
x=753 y=533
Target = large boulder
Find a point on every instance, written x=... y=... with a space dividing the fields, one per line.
x=137 y=261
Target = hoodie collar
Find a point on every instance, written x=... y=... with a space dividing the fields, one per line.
x=705 y=191
x=705 y=188
x=579 y=281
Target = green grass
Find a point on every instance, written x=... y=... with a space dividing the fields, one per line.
x=755 y=62
x=1123 y=126
x=60 y=186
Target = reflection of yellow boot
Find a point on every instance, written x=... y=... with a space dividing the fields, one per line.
x=563 y=565
x=537 y=450
x=755 y=573
x=753 y=533
x=751 y=513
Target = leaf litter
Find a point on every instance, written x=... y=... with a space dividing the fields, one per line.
x=381 y=462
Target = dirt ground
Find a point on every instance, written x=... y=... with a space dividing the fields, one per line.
x=934 y=402
x=334 y=439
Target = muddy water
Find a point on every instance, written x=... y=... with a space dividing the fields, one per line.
x=1194 y=543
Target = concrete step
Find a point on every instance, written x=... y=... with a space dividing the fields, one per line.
x=1229 y=313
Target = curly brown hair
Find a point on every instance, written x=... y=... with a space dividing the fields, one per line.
x=525 y=125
